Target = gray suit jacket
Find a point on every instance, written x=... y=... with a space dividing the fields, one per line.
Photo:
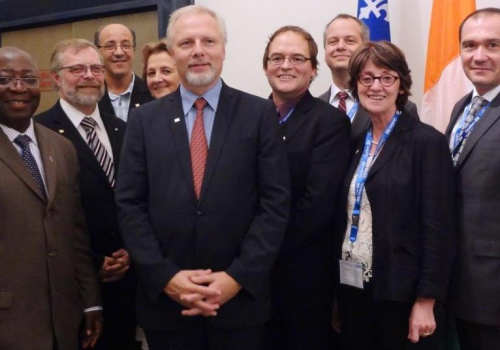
x=361 y=120
x=475 y=288
x=46 y=273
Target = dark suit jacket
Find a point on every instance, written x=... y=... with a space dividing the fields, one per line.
x=46 y=272
x=317 y=142
x=140 y=96
x=98 y=201
x=361 y=120
x=411 y=192
x=475 y=288
x=237 y=225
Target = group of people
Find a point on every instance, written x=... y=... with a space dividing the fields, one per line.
x=215 y=219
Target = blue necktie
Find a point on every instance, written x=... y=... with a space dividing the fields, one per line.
x=24 y=141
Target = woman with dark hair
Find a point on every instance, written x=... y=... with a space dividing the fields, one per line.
x=158 y=69
x=397 y=246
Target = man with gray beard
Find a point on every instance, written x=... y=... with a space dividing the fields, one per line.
x=77 y=69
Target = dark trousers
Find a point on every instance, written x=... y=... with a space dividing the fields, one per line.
x=474 y=336
x=203 y=336
x=370 y=324
x=301 y=328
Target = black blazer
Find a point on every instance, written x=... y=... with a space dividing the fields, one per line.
x=475 y=287
x=317 y=143
x=361 y=120
x=140 y=96
x=98 y=199
x=237 y=225
x=411 y=192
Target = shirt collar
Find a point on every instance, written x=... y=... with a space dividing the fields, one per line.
x=13 y=133
x=211 y=96
x=113 y=97
x=76 y=116
x=490 y=95
x=334 y=90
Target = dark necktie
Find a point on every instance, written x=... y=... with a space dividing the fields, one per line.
x=342 y=98
x=478 y=102
x=199 y=147
x=24 y=141
x=98 y=149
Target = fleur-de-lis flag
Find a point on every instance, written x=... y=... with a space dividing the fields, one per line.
x=375 y=14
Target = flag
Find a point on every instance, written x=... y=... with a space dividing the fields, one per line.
x=445 y=82
x=375 y=14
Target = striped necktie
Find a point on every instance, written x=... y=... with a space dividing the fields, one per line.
x=342 y=98
x=102 y=156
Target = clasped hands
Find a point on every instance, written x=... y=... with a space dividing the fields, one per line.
x=202 y=292
x=114 y=267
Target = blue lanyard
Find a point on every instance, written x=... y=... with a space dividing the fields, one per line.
x=462 y=134
x=353 y=110
x=363 y=170
x=286 y=116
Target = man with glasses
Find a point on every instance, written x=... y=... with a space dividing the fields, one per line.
x=124 y=90
x=341 y=38
x=77 y=69
x=47 y=279
x=316 y=136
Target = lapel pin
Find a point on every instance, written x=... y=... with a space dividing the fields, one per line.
x=51 y=158
x=61 y=131
x=137 y=104
x=284 y=138
x=357 y=151
x=176 y=120
x=116 y=129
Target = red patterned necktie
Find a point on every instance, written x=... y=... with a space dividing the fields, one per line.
x=199 y=146
x=342 y=97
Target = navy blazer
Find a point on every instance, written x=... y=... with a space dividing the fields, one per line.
x=475 y=287
x=412 y=197
x=236 y=226
x=317 y=139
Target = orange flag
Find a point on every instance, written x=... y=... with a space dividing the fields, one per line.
x=445 y=81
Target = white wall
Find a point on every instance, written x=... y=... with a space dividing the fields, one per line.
x=250 y=22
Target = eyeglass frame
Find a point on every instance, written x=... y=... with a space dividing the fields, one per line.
x=13 y=81
x=289 y=58
x=109 y=48
x=88 y=67
x=379 y=78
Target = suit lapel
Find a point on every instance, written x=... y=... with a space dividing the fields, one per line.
x=49 y=162
x=10 y=156
x=176 y=122
x=297 y=118
x=223 y=116
x=360 y=123
x=489 y=118
x=456 y=113
x=115 y=135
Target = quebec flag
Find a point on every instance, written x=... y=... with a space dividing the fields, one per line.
x=375 y=14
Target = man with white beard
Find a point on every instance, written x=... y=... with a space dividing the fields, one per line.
x=77 y=69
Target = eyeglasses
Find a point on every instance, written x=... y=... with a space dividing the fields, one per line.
x=384 y=80
x=30 y=82
x=295 y=60
x=111 y=47
x=79 y=70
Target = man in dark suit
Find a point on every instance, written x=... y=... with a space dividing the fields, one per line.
x=124 y=90
x=77 y=70
x=474 y=133
x=342 y=36
x=203 y=199
x=47 y=280
x=316 y=136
